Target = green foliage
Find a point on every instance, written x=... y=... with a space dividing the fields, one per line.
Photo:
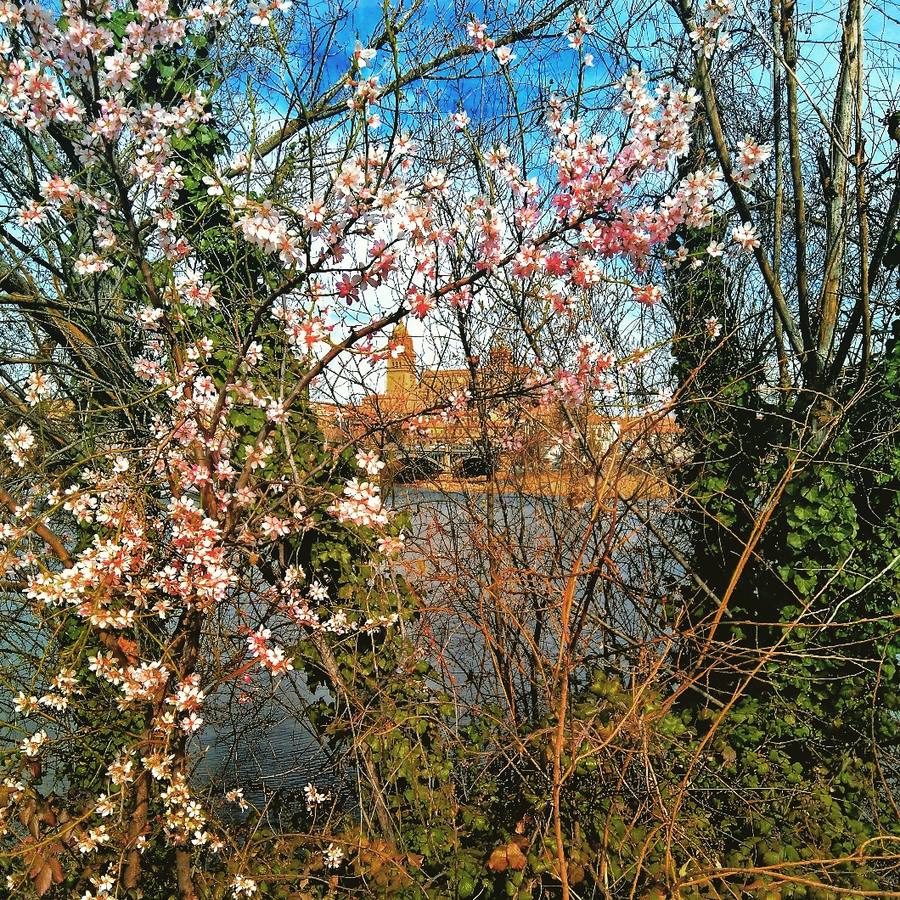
x=811 y=616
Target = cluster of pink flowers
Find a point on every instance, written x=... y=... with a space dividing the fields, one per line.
x=362 y=56
x=592 y=371
x=360 y=505
x=481 y=40
x=295 y=604
x=750 y=157
x=369 y=461
x=263 y=226
x=188 y=699
x=269 y=655
x=594 y=178
x=477 y=33
x=710 y=33
x=745 y=236
x=193 y=291
x=18 y=442
x=579 y=28
x=261 y=11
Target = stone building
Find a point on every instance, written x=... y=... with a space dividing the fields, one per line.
x=424 y=415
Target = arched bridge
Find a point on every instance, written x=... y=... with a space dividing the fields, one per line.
x=460 y=460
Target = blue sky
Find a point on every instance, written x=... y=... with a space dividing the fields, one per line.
x=820 y=37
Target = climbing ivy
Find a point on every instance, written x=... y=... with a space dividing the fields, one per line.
x=815 y=603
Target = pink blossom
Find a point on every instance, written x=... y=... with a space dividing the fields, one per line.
x=745 y=235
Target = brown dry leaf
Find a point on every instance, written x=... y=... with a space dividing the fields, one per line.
x=48 y=817
x=509 y=856
x=28 y=816
x=57 y=869
x=129 y=648
x=43 y=878
x=498 y=861
x=516 y=857
x=45 y=870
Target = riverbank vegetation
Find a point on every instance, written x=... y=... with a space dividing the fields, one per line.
x=212 y=219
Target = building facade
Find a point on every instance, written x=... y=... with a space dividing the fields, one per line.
x=432 y=417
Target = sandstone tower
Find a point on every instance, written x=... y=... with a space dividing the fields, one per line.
x=402 y=382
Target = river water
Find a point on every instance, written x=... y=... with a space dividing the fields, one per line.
x=267 y=746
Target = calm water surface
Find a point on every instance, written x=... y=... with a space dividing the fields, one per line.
x=267 y=746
